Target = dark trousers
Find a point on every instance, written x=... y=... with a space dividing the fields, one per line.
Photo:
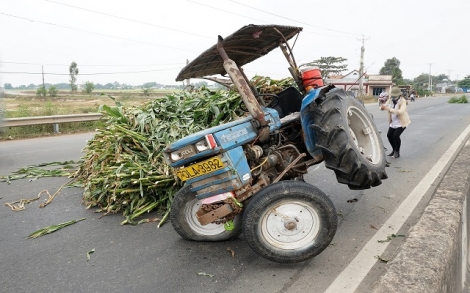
x=393 y=136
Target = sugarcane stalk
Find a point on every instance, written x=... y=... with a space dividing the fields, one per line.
x=51 y=229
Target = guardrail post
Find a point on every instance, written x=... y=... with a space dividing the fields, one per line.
x=56 y=127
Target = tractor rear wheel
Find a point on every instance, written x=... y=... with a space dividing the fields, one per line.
x=349 y=140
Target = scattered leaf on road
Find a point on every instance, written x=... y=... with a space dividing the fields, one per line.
x=399 y=169
x=390 y=237
x=51 y=229
x=88 y=254
x=382 y=260
x=18 y=205
x=205 y=274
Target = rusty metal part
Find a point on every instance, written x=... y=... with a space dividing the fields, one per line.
x=252 y=87
x=289 y=167
x=247 y=191
x=218 y=213
x=206 y=217
x=254 y=152
x=293 y=69
x=289 y=55
x=242 y=85
x=316 y=160
x=226 y=82
x=236 y=210
x=271 y=161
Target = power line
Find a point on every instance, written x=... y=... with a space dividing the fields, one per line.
x=181 y=31
x=295 y=20
x=95 y=33
x=230 y=12
x=129 y=19
x=261 y=21
x=90 y=65
x=97 y=73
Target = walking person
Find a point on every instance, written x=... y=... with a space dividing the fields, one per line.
x=398 y=118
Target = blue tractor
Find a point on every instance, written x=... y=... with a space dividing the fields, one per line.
x=247 y=175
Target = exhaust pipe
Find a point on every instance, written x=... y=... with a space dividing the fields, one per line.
x=243 y=88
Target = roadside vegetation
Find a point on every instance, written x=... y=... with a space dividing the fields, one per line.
x=31 y=104
x=462 y=100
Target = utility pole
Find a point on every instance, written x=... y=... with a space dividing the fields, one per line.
x=361 y=68
x=430 y=79
x=448 y=73
x=43 y=84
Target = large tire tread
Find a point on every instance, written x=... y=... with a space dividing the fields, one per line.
x=337 y=145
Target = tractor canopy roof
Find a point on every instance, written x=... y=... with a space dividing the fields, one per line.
x=243 y=46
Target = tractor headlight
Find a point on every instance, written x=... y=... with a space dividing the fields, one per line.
x=202 y=146
x=175 y=156
x=207 y=143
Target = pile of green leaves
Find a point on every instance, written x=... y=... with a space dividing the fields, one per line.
x=265 y=84
x=462 y=100
x=124 y=169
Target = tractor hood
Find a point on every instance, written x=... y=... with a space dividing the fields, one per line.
x=244 y=46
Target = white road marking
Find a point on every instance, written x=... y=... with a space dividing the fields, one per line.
x=357 y=270
x=429 y=108
x=464 y=248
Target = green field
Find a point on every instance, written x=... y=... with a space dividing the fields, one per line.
x=26 y=104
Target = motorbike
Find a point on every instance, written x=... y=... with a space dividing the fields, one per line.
x=382 y=99
x=246 y=176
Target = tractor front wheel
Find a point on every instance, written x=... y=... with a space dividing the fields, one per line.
x=289 y=222
x=184 y=220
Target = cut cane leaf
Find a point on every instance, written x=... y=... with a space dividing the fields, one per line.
x=88 y=254
x=390 y=237
x=51 y=229
x=205 y=274
x=382 y=260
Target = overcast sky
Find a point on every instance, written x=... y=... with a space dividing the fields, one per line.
x=140 y=41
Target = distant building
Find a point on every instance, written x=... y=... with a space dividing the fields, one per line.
x=445 y=86
x=373 y=84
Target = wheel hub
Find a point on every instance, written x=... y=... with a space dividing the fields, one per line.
x=290 y=225
x=364 y=138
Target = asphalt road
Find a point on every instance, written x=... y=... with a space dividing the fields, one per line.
x=145 y=258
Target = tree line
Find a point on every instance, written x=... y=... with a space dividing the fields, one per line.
x=328 y=66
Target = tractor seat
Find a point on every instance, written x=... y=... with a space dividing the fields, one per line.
x=290 y=101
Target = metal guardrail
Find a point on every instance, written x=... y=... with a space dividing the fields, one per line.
x=54 y=119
